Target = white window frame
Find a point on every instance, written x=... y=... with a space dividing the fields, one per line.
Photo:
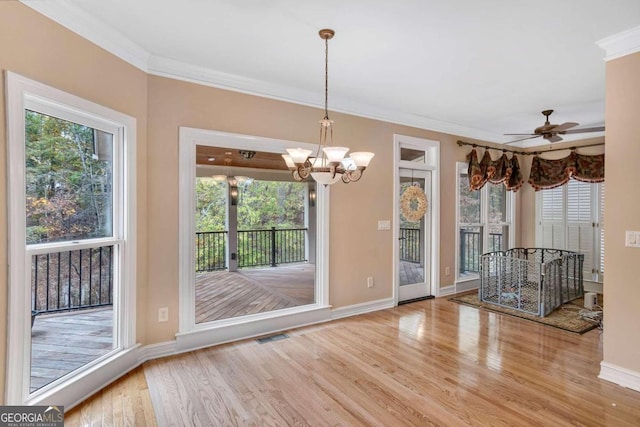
x=23 y=93
x=196 y=335
x=596 y=210
x=462 y=168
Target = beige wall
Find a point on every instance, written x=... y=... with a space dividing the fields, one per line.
x=37 y=48
x=358 y=249
x=622 y=212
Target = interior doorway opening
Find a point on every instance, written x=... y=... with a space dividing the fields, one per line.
x=255 y=235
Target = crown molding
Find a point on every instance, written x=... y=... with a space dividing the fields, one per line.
x=621 y=44
x=92 y=29
x=88 y=27
x=165 y=67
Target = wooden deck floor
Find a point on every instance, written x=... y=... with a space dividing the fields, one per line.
x=223 y=294
x=62 y=343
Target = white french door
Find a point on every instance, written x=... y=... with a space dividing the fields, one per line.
x=414 y=241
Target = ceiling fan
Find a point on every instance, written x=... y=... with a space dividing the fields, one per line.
x=552 y=132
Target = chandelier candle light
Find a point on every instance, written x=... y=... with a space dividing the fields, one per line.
x=329 y=164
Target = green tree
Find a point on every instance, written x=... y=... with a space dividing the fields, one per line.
x=68 y=187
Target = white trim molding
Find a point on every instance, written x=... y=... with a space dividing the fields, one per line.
x=362 y=308
x=220 y=334
x=446 y=291
x=621 y=44
x=92 y=29
x=621 y=376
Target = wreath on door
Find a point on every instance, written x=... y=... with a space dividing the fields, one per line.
x=413 y=204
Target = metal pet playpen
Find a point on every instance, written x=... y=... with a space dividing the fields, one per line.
x=531 y=280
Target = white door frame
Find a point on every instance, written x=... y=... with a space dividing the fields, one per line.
x=432 y=164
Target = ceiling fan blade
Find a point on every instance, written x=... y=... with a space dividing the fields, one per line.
x=594 y=129
x=554 y=138
x=521 y=134
x=564 y=126
x=522 y=139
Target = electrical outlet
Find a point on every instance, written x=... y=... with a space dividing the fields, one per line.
x=369 y=282
x=447 y=271
x=163 y=314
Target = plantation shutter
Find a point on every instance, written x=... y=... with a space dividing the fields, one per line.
x=551 y=223
x=601 y=227
x=580 y=225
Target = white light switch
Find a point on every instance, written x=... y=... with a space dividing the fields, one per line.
x=384 y=224
x=632 y=239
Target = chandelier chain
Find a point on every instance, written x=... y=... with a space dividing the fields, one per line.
x=326 y=78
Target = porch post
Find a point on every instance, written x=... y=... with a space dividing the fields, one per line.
x=232 y=233
x=310 y=223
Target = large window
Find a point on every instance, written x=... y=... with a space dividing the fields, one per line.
x=572 y=217
x=485 y=218
x=72 y=242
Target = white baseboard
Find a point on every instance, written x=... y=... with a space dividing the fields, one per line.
x=156 y=351
x=362 y=308
x=446 y=291
x=210 y=336
x=90 y=381
x=621 y=376
x=467 y=285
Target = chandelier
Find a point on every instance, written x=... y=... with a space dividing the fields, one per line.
x=329 y=164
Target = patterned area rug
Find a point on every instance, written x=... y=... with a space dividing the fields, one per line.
x=566 y=317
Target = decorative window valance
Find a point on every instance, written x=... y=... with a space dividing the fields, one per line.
x=504 y=170
x=546 y=174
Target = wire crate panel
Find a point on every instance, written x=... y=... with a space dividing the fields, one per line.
x=531 y=280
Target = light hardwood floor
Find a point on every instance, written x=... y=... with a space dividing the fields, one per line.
x=427 y=363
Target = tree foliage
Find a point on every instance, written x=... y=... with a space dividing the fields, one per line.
x=68 y=189
x=261 y=205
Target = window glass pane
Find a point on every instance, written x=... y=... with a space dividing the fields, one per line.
x=470 y=250
x=469 y=202
x=69 y=172
x=410 y=155
x=497 y=204
x=498 y=238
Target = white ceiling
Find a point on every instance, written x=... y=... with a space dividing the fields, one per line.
x=478 y=69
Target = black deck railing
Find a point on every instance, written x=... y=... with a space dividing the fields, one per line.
x=268 y=247
x=271 y=247
x=211 y=247
x=410 y=244
x=471 y=249
x=71 y=280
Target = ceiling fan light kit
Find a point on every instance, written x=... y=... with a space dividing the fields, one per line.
x=551 y=132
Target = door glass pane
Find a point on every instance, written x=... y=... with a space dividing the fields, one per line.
x=69 y=172
x=412 y=235
x=412 y=155
x=69 y=183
